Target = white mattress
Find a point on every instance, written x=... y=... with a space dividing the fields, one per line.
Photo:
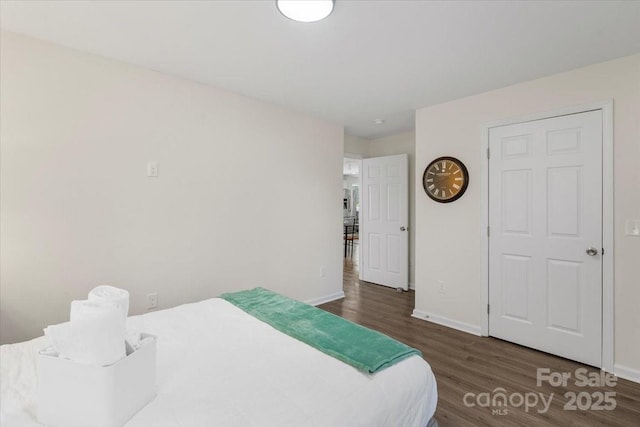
x=218 y=366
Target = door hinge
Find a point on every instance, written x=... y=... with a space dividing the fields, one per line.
x=488 y=233
x=488 y=311
x=602 y=251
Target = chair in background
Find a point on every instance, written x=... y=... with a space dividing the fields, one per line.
x=350 y=234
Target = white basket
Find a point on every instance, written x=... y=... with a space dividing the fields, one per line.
x=72 y=394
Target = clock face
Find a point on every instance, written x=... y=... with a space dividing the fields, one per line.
x=445 y=179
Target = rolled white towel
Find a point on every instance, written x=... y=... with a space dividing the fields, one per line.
x=111 y=294
x=106 y=293
x=87 y=309
x=95 y=334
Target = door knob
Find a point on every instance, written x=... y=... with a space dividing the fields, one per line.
x=403 y=228
x=591 y=251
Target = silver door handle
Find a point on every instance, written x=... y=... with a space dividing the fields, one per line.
x=403 y=228
x=591 y=251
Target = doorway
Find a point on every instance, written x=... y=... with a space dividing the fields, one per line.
x=351 y=185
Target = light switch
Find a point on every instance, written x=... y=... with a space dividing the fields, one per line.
x=152 y=169
x=632 y=227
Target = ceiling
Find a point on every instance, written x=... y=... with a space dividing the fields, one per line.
x=368 y=60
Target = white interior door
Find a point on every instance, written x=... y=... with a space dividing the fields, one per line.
x=385 y=219
x=545 y=243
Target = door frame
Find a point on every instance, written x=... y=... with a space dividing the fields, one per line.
x=608 y=312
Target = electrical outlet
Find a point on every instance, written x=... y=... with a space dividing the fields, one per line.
x=323 y=272
x=632 y=227
x=152 y=169
x=441 y=288
x=152 y=301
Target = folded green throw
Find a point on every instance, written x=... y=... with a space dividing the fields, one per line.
x=360 y=347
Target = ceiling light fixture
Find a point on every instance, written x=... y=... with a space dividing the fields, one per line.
x=305 y=10
x=378 y=121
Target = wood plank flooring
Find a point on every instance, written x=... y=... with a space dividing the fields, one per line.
x=465 y=363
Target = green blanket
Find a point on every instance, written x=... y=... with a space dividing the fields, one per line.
x=360 y=347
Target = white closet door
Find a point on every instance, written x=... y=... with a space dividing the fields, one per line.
x=545 y=216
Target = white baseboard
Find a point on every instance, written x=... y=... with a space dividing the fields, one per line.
x=326 y=298
x=627 y=373
x=450 y=323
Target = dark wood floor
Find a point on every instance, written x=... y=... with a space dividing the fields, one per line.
x=465 y=363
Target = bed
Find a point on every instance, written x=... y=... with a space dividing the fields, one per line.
x=217 y=365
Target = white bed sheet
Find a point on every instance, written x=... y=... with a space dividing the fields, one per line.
x=218 y=366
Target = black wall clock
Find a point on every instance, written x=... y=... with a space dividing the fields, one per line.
x=445 y=179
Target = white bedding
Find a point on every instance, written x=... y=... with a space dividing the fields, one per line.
x=218 y=366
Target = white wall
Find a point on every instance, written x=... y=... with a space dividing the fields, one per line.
x=355 y=146
x=77 y=209
x=454 y=128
